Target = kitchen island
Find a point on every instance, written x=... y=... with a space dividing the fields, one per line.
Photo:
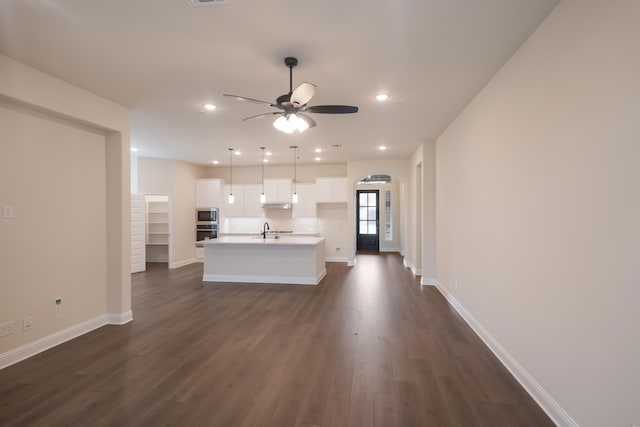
x=296 y=260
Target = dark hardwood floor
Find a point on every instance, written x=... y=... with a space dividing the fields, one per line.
x=366 y=347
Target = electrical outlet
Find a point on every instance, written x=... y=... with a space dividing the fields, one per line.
x=7 y=211
x=337 y=249
x=6 y=328
x=26 y=323
x=57 y=314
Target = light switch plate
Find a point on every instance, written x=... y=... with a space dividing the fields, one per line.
x=7 y=211
x=6 y=328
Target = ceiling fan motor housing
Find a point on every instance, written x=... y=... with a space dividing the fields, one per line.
x=284 y=100
x=290 y=61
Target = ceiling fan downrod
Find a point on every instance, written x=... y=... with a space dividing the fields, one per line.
x=290 y=62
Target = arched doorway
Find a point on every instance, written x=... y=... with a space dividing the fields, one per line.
x=377 y=213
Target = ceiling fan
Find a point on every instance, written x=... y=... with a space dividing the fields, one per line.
x=293 y=105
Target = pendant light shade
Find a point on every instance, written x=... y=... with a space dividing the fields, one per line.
x=263 y=198
x=231 y=200
x=294 y=198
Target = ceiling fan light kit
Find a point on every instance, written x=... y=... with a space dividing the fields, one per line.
x=290 y=123
x=293 y=105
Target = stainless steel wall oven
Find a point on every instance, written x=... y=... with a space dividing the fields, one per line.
x=206 y=224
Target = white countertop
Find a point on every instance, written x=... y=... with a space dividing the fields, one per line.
x=257 y=240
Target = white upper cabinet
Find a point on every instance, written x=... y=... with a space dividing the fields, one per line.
x=252 y=203
x=331 y=190
x=235 y=209
x=246 y=201
x=306 y=206
x=209 y=193
x=278 y=190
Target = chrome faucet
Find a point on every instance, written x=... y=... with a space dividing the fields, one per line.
x=265 y=227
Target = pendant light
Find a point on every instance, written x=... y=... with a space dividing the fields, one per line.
x=263 y=198
x=231 y=176
x=294 y=199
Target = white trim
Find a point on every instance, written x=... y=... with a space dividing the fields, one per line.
x=336 y=259
x=427 y=281
x=351 y=262
x=559 y=416
x=391 y=250
x=286 y=280
x=28 y=350
x=119 y=318
x=31 y=349
x=182 y=263
x=416 y=271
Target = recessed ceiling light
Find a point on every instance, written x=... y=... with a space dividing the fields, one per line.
x=215 y=162
x=318 y=150
x=317 y=159
x=382 y=97
x=237 y=153
x=134 y=149
x=382 y=148
x=209 y=107
x=266 y=160
x=268 y=153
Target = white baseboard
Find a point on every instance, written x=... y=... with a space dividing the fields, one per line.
x=336 y=259
x=427 y=281
x=31 y=349
x=557 y=414
x=351 y=262
x=182 y=263
x=119 y=318
x=390 y=250
x=415 y=271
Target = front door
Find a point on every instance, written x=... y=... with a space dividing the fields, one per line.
x=368 y=223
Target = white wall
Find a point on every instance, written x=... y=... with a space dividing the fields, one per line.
x=538 y=212
x=64 y=160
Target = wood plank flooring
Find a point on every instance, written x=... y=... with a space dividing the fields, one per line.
x=366 y=347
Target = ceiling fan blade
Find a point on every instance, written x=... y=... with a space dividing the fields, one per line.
x=257 y=101
x=259 y=116
x=309 y=120
x=331 y=109
x=303 y=94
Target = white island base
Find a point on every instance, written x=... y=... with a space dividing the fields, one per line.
x=290 y=260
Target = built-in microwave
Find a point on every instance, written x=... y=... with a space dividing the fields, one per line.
x=207 y=216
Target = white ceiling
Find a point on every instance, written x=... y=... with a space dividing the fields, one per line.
x=164 y=59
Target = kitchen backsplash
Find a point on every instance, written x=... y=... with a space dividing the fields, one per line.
x=278 y=220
